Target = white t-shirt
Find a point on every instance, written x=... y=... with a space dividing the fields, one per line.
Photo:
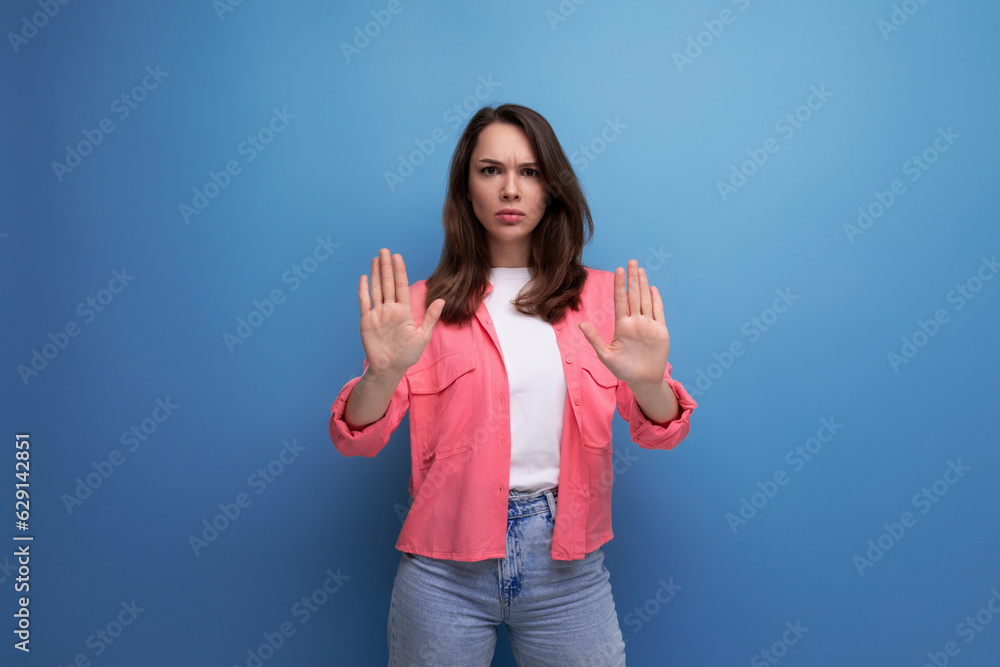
x=536 y=380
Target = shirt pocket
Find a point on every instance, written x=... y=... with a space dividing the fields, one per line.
x=443 y=395
x=599 y=388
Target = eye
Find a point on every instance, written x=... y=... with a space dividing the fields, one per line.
x=483 y=170
x=534 y=172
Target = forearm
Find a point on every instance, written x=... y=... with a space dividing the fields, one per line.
x=370 y=398
x=658 y=402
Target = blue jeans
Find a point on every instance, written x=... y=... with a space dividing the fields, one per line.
x=558 y=613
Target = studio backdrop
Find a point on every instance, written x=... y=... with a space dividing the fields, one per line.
x=192 y=189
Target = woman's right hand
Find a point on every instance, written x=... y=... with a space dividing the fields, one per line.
x=391 y=340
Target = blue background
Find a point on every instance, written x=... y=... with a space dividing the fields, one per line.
x=687 y=125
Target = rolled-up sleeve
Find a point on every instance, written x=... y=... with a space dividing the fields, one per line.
x=370 y=440
x=648 y=434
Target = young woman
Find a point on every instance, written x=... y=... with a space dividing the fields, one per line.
x=511 y=389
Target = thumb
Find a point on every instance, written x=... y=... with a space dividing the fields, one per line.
x=593 y=337
x=432 y=315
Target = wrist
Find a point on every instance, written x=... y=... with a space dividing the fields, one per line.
x=388 y=378
x=649 y=388
x=658 y=402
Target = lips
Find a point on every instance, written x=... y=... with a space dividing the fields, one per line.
x=510 y=215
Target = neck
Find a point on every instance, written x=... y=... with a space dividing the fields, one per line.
x=510 y=256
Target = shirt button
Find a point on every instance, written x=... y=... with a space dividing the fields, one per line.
x=558 y=327
x=569 y=360
x=576 y=401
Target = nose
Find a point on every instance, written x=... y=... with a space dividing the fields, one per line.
x=509 y=188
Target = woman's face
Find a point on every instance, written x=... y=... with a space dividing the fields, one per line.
x=503 y=175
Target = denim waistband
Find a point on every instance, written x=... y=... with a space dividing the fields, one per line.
x=526 y=503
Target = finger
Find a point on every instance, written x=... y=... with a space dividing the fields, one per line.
x=376 y=283
x=388 y=286
x=633 y=288
x=645 y=300
x=366 y=305
x=402 y=287
x=431 y=316
x=593 y=337
x=621 y=309
x=657 y=306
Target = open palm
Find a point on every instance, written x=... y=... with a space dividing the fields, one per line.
x=392 y=341
x=637 y=354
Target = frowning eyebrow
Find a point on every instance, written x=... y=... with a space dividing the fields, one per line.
x=489 y=160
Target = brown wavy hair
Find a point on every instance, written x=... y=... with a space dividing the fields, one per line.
x=557 y=241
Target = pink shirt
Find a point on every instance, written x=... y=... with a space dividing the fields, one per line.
x=458 y=399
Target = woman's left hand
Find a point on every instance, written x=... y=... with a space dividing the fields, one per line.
x=637 y=355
